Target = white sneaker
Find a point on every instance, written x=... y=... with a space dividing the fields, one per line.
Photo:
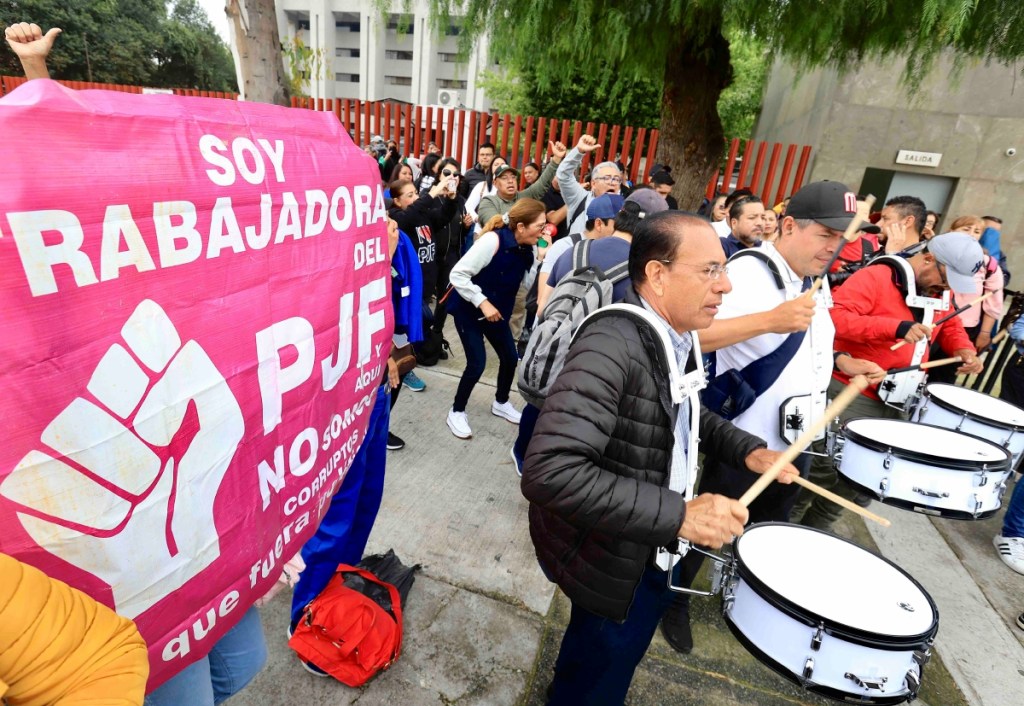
x=1011 y=551
x=458 y=422
x=505 y=410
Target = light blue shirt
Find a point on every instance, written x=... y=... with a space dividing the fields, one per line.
x=682 y=344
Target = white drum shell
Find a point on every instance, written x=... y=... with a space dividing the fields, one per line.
x=971 y=492
x=929 y=412
x=788 y=642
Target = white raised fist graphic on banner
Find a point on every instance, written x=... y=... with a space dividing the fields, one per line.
x=124 y=482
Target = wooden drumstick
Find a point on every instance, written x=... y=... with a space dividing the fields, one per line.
x=857 y=385
x=947 y=317
x=925 y=366
x=843 y=502
x=851 y=234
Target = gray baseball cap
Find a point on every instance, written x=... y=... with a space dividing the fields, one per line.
x=649 y=201
x=962 y=256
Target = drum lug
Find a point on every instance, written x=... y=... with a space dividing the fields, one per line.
x=963 y=418
x=922 y=657
x=817 y=637
x=867 y=682
x=1000 y=491
x=883 y=487
x=808 y=669
x=977 y=506
x=913 y=684
x=933 y=493
x=887 y=461
x=982 y=477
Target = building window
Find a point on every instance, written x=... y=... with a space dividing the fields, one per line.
x=398 y=55
x=351 y=53
x=348 y=21
x=347 y=78
x=453 y=31
x=401 y=28
x=302 y=25
x=398 y=80
x=348 y=26
x=451 y=83
x=449 y=57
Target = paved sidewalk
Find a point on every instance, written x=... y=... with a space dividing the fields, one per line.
x=483 y=624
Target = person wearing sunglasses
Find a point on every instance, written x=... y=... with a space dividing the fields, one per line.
x=773 y=343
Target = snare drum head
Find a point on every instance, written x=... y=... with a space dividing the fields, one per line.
x=830 y=578
x=944 y=447
x=977 y=404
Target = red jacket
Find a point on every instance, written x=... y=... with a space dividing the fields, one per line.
x=854 y=252
x=869 y=310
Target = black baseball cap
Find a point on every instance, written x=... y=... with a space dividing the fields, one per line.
x=829 y=203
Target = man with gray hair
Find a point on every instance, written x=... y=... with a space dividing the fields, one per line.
x=605 y=178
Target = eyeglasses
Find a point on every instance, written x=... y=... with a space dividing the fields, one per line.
x=448 y=172
x=609 y=179
x=712 y=272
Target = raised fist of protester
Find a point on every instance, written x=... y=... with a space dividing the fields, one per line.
x=971 y=364
x=713 y=520
x=440 y=188
x=27 y=40
x=558 y=151
x=794 y=315
x=858 y=366
x=123 y=481
x=760 y=460
x=918 y=332
x=587 y=144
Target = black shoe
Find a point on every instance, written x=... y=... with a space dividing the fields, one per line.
x=394 y=442
x=675 y=625
x=863 y=499
x=1020 y=621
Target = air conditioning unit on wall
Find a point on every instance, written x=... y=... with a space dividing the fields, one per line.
x=449 y=98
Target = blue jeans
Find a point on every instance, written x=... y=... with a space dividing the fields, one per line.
x=232 y=663
x=472 y=334
x=345 y=528
x=1013 y=521
x=598 y=656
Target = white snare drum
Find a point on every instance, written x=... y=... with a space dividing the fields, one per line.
x=829 y=615
x=973 y=412
x=925 y=468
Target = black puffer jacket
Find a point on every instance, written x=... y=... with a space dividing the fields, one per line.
x=596 y=472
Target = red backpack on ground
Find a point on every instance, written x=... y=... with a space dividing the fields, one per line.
x=353 y=629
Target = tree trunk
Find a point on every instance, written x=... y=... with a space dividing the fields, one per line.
x=257 y=47
x=691 y=137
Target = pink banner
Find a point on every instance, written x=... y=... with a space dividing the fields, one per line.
x=196 y=311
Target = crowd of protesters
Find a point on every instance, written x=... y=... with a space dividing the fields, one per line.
x=488 y=245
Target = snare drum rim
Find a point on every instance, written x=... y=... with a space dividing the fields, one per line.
x=950 y=407
x=857 y=636
x=943 y=462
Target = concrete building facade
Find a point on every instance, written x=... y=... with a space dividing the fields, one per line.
x=375 y=57
x=958 y=142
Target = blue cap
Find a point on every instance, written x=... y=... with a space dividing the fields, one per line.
x=605 y=207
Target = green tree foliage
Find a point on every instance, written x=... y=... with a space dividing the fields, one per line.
x=137 y=42
x=585 y=95
x=683 y=44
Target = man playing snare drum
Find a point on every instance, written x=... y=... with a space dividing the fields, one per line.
x=774 y=357
x=894 y=299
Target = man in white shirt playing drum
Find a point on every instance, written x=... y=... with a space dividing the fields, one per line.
x=768 y=317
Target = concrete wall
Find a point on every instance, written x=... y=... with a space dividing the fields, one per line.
x=862 y=118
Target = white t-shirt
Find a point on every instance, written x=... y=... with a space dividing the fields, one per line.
x=557 y=249
x=722 y=228
x=809 y=371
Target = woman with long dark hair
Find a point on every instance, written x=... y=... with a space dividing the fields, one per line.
x=485 y=283
x=428 y=173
